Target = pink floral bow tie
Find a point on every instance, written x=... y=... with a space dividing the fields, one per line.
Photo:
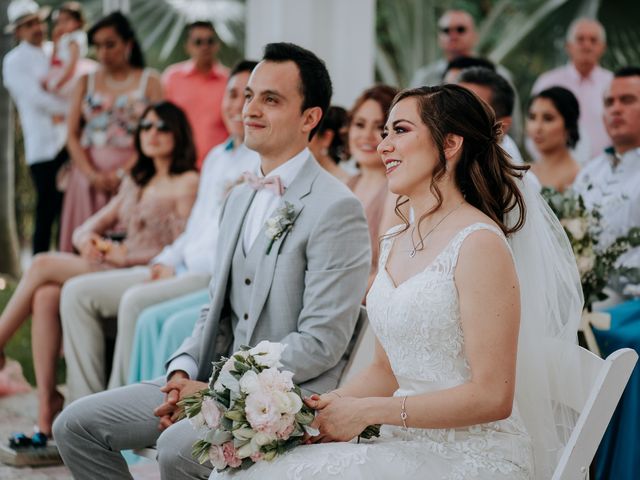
x=273 y=184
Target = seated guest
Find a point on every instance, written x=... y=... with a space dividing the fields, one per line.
x=328 y=146
x=499 y=94
x=150 y=211
x=181 y=268
x=366 y=121
x=611 y=180
x=587 y=80
x=552 y=125
x=456 y=65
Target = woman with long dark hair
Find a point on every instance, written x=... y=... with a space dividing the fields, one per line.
x=105 y=109
x=149 y=212
x=453 y=289
x=552 y=125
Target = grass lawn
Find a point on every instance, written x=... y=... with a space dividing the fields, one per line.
x=19 y=347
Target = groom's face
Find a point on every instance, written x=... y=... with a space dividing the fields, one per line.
x=272 y=113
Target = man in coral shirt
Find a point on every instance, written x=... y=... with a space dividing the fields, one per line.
x=197 y=86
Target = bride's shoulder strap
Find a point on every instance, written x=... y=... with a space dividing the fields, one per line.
x=386 y=241
x=463 y=234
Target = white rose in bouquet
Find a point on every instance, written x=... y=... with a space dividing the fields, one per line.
x=274 y=380
x=262 y=412
x=250 y=383
x=268 y=353
x=211 y=413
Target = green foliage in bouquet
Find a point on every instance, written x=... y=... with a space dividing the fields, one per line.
x=596 y=264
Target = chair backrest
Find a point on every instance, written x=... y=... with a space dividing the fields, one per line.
x=362 y=350
x=594 y=395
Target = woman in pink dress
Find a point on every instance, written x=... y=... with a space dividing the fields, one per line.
x=105 y=109
x=149 y=212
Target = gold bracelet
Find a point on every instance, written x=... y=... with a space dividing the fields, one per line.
x=403 y=412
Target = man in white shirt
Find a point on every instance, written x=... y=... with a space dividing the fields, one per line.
x=42 y=114
x=612 y=180
x=587 y=80
x=183 y=267
x=495 y=91
x=301 y=286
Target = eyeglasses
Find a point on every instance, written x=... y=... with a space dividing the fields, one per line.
x=203 y=41
x=146 y=125
x=459 y=30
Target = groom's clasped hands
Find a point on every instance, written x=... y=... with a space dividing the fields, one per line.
x=177 y=388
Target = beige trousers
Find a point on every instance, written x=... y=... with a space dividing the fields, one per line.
x=89 y=302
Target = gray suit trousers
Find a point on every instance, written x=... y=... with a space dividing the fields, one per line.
x=91 y=432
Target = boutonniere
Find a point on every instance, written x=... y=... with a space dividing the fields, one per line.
x=280 y=223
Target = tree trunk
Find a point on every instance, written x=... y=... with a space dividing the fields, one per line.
x=9 y=252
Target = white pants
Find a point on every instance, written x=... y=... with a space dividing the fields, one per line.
x=89 y=301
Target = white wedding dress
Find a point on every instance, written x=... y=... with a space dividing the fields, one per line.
x=418 y=324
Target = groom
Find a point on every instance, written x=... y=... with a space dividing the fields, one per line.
x=301 y=286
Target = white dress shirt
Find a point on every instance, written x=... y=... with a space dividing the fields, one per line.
x=23 y=70
x=194 y=250
x=265 y=201
x=616 y=192
x=263 y=204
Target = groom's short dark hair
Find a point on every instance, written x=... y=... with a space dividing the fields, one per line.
x=315 y=83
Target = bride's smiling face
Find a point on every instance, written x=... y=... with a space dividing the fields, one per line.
x=407 y=149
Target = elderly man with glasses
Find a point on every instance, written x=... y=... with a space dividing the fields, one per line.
x=197 y=86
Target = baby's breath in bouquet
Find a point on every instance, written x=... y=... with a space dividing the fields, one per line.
x=596 y=264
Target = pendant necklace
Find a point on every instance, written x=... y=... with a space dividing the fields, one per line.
x=414 y=250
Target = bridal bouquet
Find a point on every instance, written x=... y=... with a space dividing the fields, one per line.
x=583 y=227
x=251 y=411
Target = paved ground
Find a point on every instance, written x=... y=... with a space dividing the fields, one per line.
x=17 y=414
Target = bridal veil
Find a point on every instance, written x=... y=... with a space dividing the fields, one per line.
x=551 y=304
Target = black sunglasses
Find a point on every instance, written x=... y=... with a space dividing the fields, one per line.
x=203 y=41
x=459 y=29
x=147 y=125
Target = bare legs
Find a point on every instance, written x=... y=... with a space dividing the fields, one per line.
x=38 y=293
x=46 y=338
x=47 y=268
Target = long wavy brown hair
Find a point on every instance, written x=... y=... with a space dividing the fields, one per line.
x=484 y=174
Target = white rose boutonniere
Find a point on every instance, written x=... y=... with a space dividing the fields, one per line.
x=280 y=223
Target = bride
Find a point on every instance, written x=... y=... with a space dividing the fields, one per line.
x=459 y=313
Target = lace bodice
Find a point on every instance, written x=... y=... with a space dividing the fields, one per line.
x=418 y=321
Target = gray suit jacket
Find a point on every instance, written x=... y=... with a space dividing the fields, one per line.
x=307 y=290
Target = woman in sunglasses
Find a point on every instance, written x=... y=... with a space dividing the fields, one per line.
x=149 y=212
x=105 y=109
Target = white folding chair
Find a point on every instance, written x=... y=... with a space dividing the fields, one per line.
x=594 y=395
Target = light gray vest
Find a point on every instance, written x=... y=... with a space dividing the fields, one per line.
x=242 y=275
